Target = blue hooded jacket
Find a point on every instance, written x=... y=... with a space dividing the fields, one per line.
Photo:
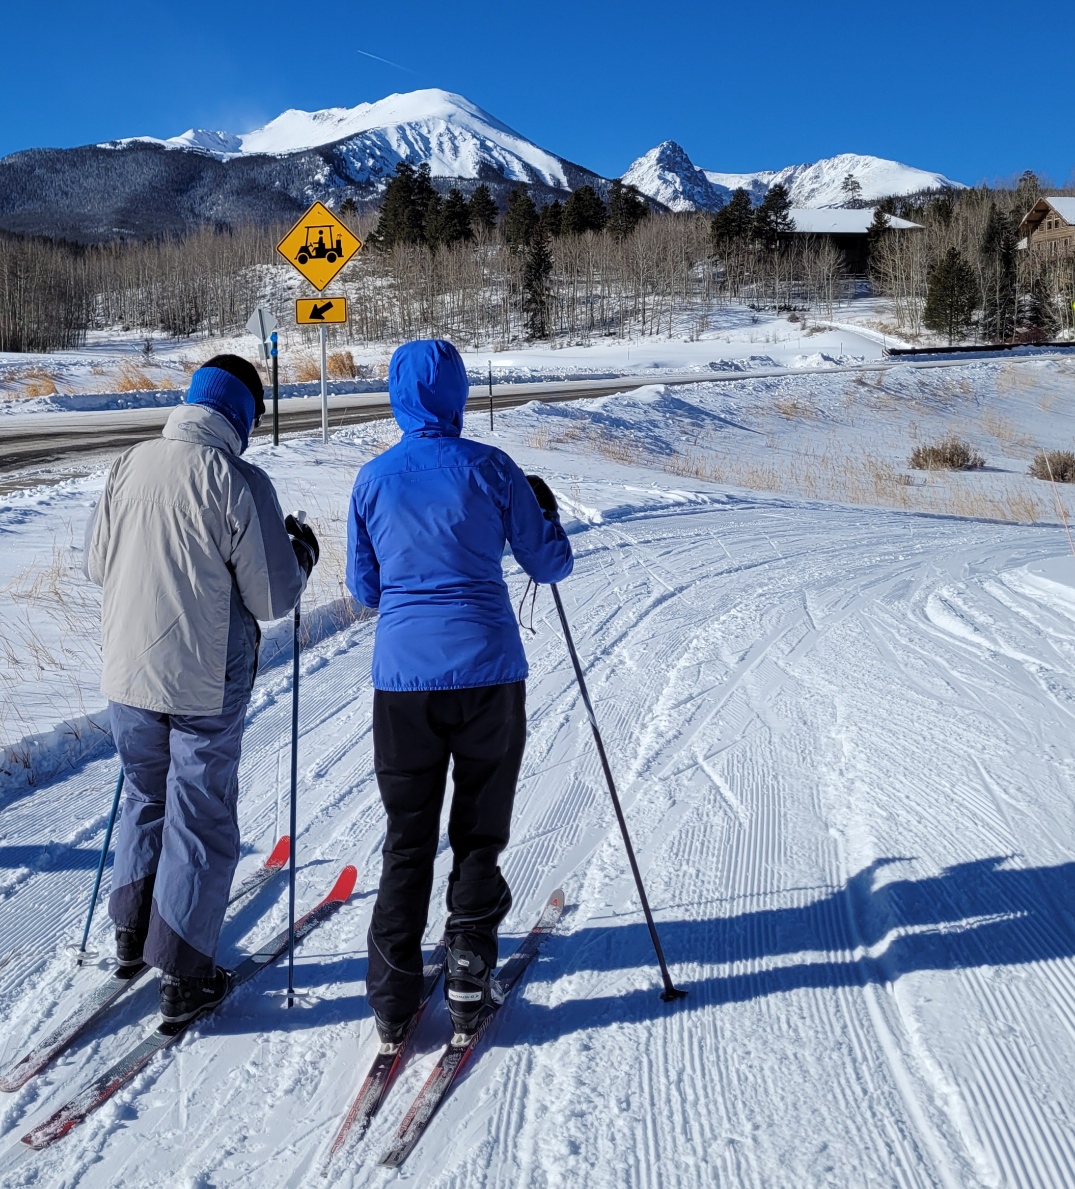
x=426 y=533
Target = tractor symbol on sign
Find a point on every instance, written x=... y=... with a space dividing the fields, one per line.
x=320 y=245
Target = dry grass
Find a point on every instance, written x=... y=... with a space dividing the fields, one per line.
x=341 y=364
x=949 y=454
x=1006 y=432
x=1053 y=466
x=305 y=368
x=794 y=410
x=132 y=379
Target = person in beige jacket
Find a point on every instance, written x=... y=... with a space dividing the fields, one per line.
x=191 y=549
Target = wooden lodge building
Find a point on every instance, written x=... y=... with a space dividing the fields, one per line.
x=1048 y=228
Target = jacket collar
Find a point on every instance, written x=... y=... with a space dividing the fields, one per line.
x=202 y=426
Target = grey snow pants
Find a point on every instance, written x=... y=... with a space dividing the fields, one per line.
x=177 y=843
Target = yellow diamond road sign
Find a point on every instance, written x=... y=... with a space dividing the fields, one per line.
x=319 y=245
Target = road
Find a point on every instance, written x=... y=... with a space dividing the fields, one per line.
x=37 y=440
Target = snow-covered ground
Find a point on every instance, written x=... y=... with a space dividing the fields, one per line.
x=114 y=371
x=840 y=714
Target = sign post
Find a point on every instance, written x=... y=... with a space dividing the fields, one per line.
x=262 y=324
x=318 y=246
x=275 y=391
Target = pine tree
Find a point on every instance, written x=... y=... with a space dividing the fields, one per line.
x=348 y=208
x=1028 y=191
x=875 y=233
x=951 y=296
x=771 y=219
x=852 y=190
x=626 y=209
x=405 y=209
x=551 y=218
x=432 y=221
x=1036 y=315
x=584 y=211
x=999 y=290
x=520 y=219
x=733 y=222
x=537 y=269
x=454 y=224
x=393 y=222
x=483 y=212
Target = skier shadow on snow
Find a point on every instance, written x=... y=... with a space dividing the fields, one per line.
x=975 y=914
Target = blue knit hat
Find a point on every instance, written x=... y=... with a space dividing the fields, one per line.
x=221 y=391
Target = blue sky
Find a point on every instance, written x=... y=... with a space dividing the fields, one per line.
x=974 y=90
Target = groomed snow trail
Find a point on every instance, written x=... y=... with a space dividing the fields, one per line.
x=844 y=742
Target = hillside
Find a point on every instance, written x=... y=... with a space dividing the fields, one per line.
x=148 y=186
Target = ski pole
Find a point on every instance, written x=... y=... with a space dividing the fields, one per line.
x=82 y=953
x=301 y=518
x=294 y=816
x=670 y=991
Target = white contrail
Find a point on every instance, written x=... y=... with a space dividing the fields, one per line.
x=386 y=61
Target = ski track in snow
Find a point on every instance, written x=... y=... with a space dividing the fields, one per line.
x=844 y=742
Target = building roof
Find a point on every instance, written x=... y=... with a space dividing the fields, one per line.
x=1064 y=207
x=838 y=221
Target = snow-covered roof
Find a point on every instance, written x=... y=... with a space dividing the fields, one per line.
x=1064 y=207
x=830 y=221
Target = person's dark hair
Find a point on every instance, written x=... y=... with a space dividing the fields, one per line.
x=244 y=370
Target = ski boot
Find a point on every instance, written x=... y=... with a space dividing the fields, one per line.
x=183 y=998
x=391 y=1033
x=128 y=951
x=469 y=989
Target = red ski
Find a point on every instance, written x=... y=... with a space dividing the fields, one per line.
x=460 y=1048
x=382 y=1071
x=116 y=984
x=73 y=1112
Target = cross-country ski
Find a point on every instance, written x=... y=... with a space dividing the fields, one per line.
x=462 y=1045
x=96 y=1003
x=389 y=1057
x=120 y=1074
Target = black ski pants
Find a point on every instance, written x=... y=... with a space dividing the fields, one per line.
x=483 y=732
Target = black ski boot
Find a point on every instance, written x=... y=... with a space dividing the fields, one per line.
x=468 y=987
x=128 y=950
x=183 y=998
x=391 y=1033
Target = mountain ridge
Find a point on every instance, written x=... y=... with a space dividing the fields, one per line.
x=151 y=186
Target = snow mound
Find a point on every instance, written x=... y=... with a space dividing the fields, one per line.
x=456 y=137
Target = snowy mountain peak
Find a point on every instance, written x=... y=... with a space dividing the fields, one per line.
x=456 y=137
x=668 y=174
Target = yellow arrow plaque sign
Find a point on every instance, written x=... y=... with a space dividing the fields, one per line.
x=319 y=245
x=317 y=311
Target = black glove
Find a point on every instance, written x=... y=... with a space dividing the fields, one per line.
x=304 y=542
x=546 y=500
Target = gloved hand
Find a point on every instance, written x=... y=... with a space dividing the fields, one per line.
x=546 y=500
x=304 y=542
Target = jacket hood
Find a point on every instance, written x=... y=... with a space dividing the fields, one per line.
x=428 y=387
x=202 y=426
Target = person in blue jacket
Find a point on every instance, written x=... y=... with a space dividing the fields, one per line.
x=427 y=530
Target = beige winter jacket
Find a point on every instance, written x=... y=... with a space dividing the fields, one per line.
x=189 y=545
